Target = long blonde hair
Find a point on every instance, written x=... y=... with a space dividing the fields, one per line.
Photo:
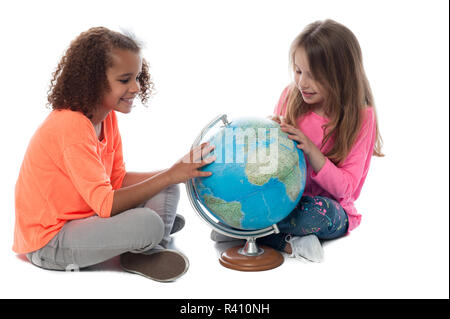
x=335 y=61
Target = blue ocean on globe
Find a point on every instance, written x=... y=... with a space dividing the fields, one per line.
x=258 y=176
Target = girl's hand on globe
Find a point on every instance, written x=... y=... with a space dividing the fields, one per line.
x=312 y=152
x=188 y=166
x=275 y=118
x=304 y=143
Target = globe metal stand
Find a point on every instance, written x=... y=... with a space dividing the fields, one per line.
x=250 y=257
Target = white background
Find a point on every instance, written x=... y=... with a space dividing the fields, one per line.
x=209 y=58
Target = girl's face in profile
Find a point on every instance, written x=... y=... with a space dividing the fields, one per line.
x=123 y=81
x=312 y=91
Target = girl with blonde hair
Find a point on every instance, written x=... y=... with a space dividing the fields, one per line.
x=330 y=112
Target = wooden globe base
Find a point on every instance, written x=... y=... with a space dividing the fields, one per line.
x=269 y=259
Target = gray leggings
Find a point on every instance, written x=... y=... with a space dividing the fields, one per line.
x=92 y=240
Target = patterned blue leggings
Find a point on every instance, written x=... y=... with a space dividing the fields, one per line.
x=317 y=215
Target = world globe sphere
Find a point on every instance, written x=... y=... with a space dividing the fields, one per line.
x=258 y=176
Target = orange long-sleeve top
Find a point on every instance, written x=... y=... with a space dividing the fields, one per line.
x=67 y=173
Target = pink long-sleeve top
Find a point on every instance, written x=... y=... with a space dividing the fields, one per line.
x=344 y=182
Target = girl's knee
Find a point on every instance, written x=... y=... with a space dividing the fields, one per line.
x=148 y=226
x=174 y=191
x=168 y=196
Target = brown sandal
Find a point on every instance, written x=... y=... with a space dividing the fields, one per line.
x=163 y=265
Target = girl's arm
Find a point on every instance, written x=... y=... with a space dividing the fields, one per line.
x=343 y=180
x=315 y=157
x=131 y=196
x=186 y=168
x=132 y=178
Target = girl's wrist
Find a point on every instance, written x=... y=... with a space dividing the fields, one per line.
x=164 y=177
x=316 y=159
x=168 y=177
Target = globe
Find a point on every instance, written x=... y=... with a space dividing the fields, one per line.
x=258 y=176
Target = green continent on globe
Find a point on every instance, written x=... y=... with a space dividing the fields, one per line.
x=231 y=212
x=285 y=167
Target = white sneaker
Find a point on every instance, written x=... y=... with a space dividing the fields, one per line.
x=308 y=247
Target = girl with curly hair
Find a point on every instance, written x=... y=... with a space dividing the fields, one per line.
x=75 y=203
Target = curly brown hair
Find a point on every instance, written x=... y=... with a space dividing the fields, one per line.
x=79 y=82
